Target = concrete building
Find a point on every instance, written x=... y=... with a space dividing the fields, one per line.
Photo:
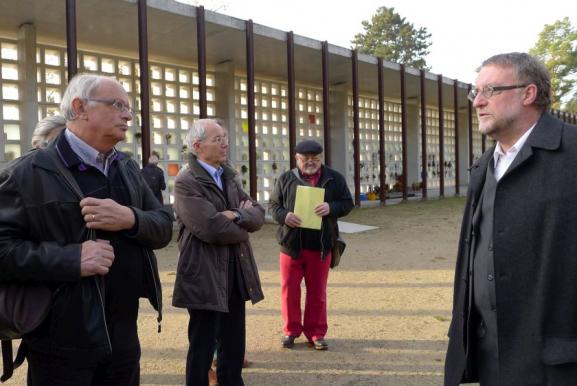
x=382 y=125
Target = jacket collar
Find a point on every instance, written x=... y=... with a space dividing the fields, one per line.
x=62 y=149
x=546 y=135
x=199 y=172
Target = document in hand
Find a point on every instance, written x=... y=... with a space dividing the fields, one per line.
x=306 y=200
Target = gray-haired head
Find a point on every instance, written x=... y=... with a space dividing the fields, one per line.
x=153 y=159
x=529 y=71
x=47 y=129
x=197 y=132
x=81 y=86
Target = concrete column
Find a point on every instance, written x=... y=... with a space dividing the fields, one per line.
x=341 y=135
x=225 y=108
x=28 y=84
x=413 y=139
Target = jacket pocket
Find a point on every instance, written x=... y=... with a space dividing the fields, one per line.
x=557 y=351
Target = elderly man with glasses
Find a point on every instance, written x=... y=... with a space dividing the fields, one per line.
x=514 y=304
x=78 y=217
x=216 y=271
x=306 y=253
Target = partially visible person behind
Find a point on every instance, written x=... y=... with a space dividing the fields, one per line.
x=306 y=253
x=95 y=252
x=46 y=130
x=216 y=272
x=514 y=315
x=154 y=177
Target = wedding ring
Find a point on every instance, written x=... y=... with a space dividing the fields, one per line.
x=93 y=218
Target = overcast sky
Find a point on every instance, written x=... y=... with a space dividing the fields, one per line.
x=463 y=32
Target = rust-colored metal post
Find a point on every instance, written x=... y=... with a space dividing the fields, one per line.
x=201 y=49
x=326 y=102
x=441 y=137
x=291 y=97
x=251 y=109
x=424 y=160
x=356 y=146
x=144 y=79
x=404 y=131
x=71 y=43
x=382 y=155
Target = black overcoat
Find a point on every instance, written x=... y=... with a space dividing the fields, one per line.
x=535 y=260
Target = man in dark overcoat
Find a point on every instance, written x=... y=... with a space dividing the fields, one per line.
x=514 y=307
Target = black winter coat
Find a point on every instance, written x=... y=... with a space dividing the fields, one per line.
x=535 y=262
x=41 y=232
x=154 y=177
x=282 y=201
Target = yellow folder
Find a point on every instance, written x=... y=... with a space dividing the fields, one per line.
x=305 y=202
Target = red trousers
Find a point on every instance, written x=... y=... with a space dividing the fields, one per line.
x=315 y=272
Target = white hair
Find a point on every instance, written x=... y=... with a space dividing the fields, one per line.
x=47 y=128
x=81 y=86
x=197 y=132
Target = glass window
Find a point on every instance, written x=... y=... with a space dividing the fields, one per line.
x=170 y=74
x=12 y=132
x=53 y=76
x=124 y=67
x=10 y=91
x=90 y=63
x=107 y=65
x=11 y=152
x=9 y=51
x=11 y=112
x=52 y=57
x=9 y=71
x=53 y=95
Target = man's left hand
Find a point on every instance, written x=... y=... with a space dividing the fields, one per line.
x=322 y=209
x=106 y=214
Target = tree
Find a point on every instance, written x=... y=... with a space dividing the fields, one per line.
x=557 y=49
x=391 y=37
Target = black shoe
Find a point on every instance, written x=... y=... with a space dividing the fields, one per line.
x=320 y=344
x=288 y=341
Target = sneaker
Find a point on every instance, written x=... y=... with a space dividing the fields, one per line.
x=288 y=341
x=320 y=344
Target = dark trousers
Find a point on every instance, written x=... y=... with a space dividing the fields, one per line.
x=119 y=368
x=487 y=353
x=226 y=330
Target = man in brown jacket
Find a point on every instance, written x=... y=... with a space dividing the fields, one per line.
x=216 y=271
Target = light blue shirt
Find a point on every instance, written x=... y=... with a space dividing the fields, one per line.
x=214 y=172
x=88 y=154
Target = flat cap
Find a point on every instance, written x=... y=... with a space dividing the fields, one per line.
x=308 y=147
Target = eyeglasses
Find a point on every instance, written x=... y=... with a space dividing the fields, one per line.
x=117 y=104
x=220 y=139
x=488 y=91
x=309 y=158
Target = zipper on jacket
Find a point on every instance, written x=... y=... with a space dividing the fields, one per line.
x=103 y=312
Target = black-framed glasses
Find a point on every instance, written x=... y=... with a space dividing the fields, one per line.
x=117 y=104
x=488 y=91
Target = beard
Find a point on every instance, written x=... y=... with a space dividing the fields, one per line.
x=310 y=170
x=495 y=128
